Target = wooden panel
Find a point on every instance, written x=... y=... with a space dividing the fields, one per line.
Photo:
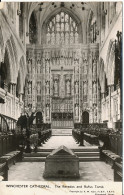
x=1 y=147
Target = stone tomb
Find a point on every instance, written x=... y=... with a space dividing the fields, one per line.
x=62 y=163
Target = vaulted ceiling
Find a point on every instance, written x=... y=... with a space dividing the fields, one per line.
x=44 y=9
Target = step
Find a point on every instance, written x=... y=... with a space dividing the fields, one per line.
x=42 y=159
x=80 y=149
x=83 y=154
x=61 y=132
x=33 y=159
x=86 y=149
x=45 y=154
x=37 y=154
x=87 y=159
x=40 y=149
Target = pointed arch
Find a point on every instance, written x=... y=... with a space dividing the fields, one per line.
x=33 y=28
x=59 y=27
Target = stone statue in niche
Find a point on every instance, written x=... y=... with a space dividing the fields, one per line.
x=76 y=110
x=94 y=88
x=38 y=88
x=47 y=88
x=38 y=68
x=55 y=86
x=68 y=87
x=85 y=88
x=76 y=87
x=85 y=66
x=76 y=67
x=29 y=87
x=95 y=115
x=47 y=110
x=30 y=66
x=94 y=92
x=94 y=67
x=47 y=67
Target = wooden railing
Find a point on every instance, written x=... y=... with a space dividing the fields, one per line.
x=9 y=138
x=7 y=123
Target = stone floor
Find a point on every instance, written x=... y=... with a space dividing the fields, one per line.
x=68 y=141
x=33 y=171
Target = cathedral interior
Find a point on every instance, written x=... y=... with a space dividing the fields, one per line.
x=60 y=84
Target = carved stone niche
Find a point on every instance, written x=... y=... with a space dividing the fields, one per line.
x=62 y=163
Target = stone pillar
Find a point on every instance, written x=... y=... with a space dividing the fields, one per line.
x=110 y=106
x=13 y=92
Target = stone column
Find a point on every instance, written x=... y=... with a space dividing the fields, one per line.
x=110 y=106
x=13 y=88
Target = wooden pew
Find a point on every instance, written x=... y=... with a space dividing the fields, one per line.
x=118 y=171
x=11 y=158
x=4 y=171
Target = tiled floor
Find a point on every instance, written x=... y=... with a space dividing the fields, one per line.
x=33 y=171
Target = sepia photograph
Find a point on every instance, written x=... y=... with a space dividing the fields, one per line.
x=61 y=96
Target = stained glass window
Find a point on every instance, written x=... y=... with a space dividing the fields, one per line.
x=62 y=29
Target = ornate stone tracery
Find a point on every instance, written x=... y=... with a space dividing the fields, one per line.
x=66 y=73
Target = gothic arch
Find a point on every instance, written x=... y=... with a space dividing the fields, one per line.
x=13 y=63
x=33 y=28
x=85 y=117
x=58 y=10
x=11 y=67
x=53 y=14
x=6 y=69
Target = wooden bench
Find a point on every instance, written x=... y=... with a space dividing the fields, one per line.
x=44 y=136
x=92 y=139
x=118 y=171
x=11 y=158
x=110 y=157
x=16 y=154
x=4 y=171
